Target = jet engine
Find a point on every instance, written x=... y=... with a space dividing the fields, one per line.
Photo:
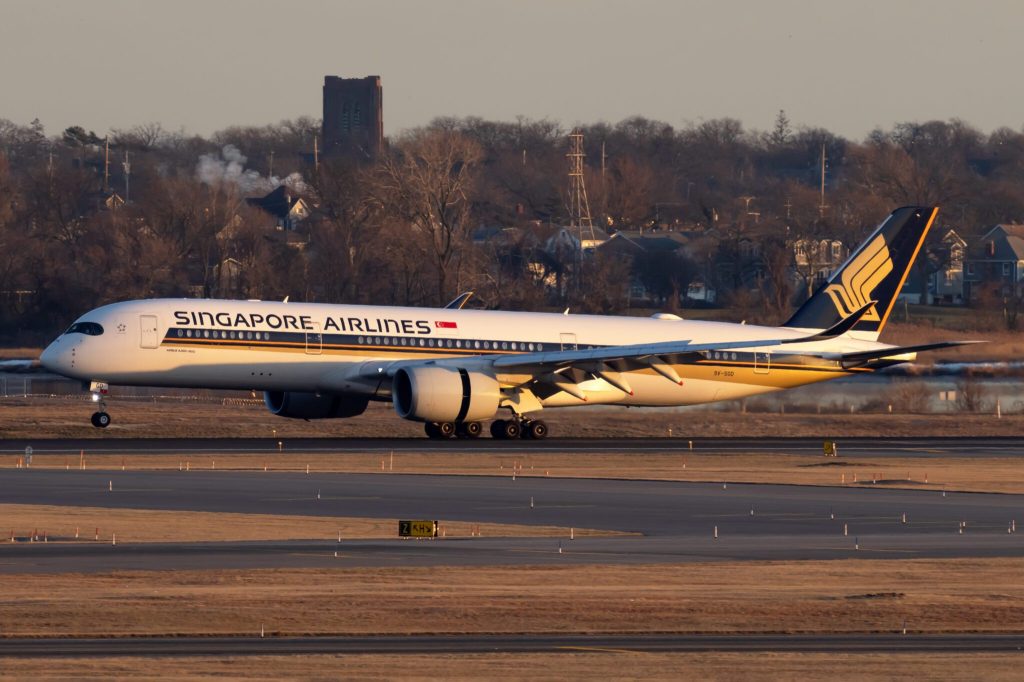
x=443 y=394
x=313 y=405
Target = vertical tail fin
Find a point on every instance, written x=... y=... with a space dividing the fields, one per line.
x=875 y=272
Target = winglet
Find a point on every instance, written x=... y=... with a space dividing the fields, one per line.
x=459 y=301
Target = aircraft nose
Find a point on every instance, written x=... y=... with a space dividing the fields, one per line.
x=52 y=358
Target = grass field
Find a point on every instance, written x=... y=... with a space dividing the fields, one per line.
x=577 y=665
x=934 y=596
x=63 y=524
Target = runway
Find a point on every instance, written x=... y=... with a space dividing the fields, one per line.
x=510 y=643
x=967 y=447
x=672 y=522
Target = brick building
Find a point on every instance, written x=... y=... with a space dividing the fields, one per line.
x=353 y=116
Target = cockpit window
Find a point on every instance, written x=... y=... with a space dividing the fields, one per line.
x=88 y=328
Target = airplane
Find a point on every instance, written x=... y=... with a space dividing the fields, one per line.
x=454 y=369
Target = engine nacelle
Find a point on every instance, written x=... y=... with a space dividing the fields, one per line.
x=443 y=394
x=314 y=406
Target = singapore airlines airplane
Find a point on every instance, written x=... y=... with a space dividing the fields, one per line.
x=453 y=369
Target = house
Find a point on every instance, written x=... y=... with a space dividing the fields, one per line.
x=287 y=209
x=631 y=244
x=946 y=281
x=996 y=263
x=816 y=259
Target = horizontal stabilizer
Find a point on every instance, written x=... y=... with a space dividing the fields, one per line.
x=852 y=359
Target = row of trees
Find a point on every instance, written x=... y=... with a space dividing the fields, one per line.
x=397 y=230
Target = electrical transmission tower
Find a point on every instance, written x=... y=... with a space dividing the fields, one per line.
x=579 y=206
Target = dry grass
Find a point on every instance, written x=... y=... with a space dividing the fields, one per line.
x=993 y=474
x=972 y=595
x=141 y=525
x=69 y=418
x=564 y=666
x=23 y=353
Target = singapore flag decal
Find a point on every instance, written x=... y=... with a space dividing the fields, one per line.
x=445 y=325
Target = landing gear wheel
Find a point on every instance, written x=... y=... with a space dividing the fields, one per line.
x=510 y=430
x=536 y=429
x=469 y=429
x=498 y=429
x=432 y=431
x=100 y=420
x=446 y=429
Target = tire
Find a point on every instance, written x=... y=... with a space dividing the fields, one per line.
x=511 y=429
x=446 y=429
x=471 y=429
x=100 y=420
x=537 y=430
x=430 y=429
x=498 y=429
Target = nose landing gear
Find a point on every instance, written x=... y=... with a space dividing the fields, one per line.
x=100 y=418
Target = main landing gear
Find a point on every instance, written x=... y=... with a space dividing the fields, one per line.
x=444 y=430
x=501 y=429
x=510 y=429
x=100 y=418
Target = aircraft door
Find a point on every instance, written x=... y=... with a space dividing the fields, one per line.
x=315 y=340
x=762 y=362
x=568 y=341
x=149 y=335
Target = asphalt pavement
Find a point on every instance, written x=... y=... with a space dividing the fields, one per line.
x=510 y=643
x=668 y=522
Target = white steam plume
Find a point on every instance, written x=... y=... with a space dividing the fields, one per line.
x=229 y=166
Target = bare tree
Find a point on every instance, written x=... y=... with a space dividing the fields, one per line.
x=346 y=236
x=970 y=394
x=909 y=397
x=428 y=182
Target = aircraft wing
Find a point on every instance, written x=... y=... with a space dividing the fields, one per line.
x=666 y=350
x=557 y=368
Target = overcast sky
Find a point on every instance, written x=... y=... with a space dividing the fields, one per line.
x=205 y=64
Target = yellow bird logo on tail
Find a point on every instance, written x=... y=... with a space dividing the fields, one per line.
x=859 y=279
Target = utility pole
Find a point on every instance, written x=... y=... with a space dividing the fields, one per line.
x=316 y=154
x=822 y=206
x=106 y=165
x=270 y=171
x=127 y=177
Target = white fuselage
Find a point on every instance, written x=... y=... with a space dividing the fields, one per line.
x=322 y=348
